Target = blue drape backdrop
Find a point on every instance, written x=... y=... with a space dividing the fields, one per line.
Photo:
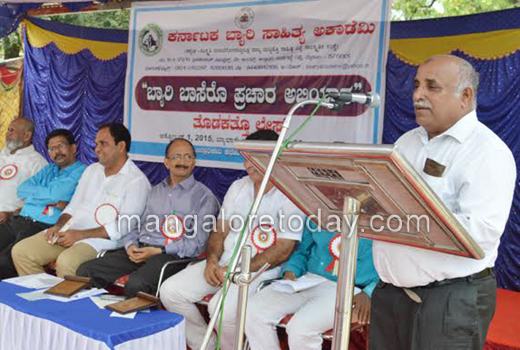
x=80 y=92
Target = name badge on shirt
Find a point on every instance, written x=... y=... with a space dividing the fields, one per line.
x=8 y=172
x=433 y=168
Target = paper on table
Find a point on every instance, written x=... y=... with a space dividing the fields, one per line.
x=34 y=295
x=39 y=281
x=130 y=315
x=40 y=295
x=101 y=303
x=80 y=295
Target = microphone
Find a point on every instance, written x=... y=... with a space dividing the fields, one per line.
x=371 y=99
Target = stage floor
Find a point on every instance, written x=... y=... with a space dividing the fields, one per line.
x=504 y=331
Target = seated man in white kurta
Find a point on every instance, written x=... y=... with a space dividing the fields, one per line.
x=112 y=188
x=18 y=162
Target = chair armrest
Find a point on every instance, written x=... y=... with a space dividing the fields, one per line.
x=173 y=262
x=265 y=283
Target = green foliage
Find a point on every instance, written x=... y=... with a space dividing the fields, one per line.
x=420 y=9
x=12 y=45
x=401 y=10
x=112 y=19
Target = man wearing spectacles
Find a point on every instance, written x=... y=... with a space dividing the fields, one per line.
x=174 y=226
x=45 y=194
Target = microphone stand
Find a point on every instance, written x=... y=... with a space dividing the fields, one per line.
x=239 y=335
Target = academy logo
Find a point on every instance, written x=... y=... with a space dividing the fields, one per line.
x=244 y=18
x=150 y=40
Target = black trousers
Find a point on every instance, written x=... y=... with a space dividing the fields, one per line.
x=144 y=277
x=12 y=231
x=454 y=316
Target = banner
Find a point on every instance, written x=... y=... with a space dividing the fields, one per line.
x=216 y=72
x=10 y=92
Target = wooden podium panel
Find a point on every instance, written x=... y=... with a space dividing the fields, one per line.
x=397 y=205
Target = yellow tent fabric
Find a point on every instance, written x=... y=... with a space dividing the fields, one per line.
x=10 y=94
x=486 y=46
x=105 y=51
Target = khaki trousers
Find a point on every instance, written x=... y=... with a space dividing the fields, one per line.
x=32 y=254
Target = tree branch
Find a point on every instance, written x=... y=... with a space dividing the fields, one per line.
x=430 y=5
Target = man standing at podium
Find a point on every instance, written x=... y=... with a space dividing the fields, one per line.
x=426 y=299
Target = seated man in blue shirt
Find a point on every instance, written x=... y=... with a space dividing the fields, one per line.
x=313 y=308
x=172 y=227
x=45 y=194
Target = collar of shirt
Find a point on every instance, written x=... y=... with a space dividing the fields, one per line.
x=186 y=184
x=251 y=186
x=56 y=169
x=125 y=169
x=20 y=152
x=459 y=131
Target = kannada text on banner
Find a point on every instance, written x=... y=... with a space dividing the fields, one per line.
x=214 y=73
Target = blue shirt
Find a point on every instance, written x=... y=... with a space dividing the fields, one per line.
x=313 y=255
x=47 y=187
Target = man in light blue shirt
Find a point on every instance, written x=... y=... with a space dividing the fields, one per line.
x=45 y=194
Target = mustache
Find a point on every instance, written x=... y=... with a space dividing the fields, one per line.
x=57 y=156
x=421 y=104
x=185 y=167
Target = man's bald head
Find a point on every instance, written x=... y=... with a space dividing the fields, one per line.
x=468 y=76
x=27 y=124
x=444 y=91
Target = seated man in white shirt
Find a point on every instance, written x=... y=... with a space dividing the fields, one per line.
x=18 y=162
x=107 y=190
x=180 y=292
x=427 y=299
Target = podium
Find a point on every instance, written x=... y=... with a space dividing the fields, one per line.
x=374 y=192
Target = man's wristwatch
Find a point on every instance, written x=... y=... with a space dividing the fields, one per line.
x=163 y=250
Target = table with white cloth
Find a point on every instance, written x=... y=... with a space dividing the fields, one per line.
x=81 y=325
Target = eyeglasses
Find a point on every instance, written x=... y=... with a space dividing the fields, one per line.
x=61 y=147
x=187 y=157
